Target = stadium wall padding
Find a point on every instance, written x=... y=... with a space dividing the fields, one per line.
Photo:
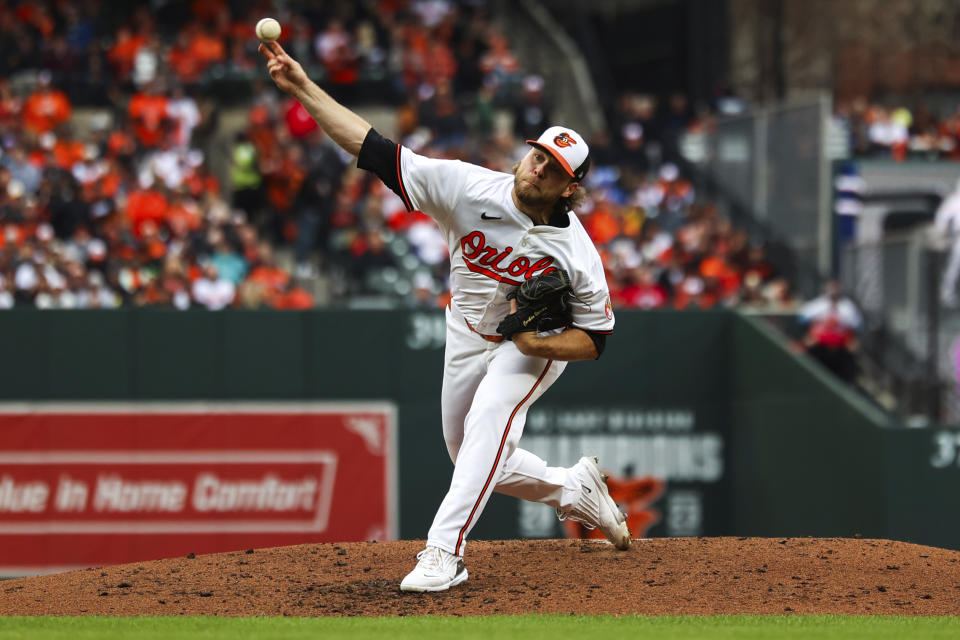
x=802 y=455
x=807 y=452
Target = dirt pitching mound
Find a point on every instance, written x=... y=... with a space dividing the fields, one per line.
x=655 y=577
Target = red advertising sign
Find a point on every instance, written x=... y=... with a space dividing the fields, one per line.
x=91 y=485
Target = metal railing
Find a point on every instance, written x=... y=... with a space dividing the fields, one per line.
x=773 y=162
x=910 y=337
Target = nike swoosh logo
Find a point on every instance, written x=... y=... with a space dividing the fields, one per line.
x=484 y=216
x=587 y=489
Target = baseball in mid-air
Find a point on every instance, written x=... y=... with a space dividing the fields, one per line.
x=268 y=30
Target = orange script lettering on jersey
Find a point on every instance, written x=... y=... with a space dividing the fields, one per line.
x=491 y=262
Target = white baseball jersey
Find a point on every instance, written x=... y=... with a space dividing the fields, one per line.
x=494 y=246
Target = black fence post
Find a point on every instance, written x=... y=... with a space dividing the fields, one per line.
x=932 y=369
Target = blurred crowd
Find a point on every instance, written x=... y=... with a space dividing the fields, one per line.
x=663 y=248
x=129 y=211
x=899 y=132
x=127 y=214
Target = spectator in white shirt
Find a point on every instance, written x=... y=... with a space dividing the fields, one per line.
x=886 y=132
x=212 y=291
x=832 y=336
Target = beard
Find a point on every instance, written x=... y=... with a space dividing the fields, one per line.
x=530 y=195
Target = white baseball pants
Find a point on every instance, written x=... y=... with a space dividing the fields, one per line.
x=488 y=388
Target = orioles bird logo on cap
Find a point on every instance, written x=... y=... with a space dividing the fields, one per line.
x=564 y=140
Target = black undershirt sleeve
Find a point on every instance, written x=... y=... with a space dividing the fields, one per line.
x=382 y=156
x=599 y=340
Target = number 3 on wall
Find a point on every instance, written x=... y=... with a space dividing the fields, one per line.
x=948 y=445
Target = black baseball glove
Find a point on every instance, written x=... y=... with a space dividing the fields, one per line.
x=543 y=303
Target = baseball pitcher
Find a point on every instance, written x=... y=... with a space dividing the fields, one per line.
x=528 y=295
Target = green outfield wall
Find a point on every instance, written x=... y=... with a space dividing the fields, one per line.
x=807 y=453
x=708 y=424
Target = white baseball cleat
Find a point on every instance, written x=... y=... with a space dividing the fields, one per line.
x=595 y=508
x=437 y=570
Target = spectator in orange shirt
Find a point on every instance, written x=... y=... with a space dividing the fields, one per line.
x=152 y=246
x=68 y=150
x=185 y=65
x=266 y=273
x=183 y=215
x=124 y=51
x=149 y=116
x=441 y=64
x=202 y=182
x=716 y=267
x=122 y=143
x=294 y=298
x=285 y=177
x=206 y=47
x=603 y=224
x=46 y=107
x=109 y=184
x=264 y=281
x=143 y=205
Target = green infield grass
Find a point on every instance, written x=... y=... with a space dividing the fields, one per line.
x=529 y=627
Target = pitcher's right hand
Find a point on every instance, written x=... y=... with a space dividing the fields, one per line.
x=286 y=72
